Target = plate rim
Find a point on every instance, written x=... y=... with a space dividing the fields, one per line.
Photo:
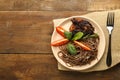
x=102 y=33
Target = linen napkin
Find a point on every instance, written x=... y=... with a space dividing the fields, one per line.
x=100 y=18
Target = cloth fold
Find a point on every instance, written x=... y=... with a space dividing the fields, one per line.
x=100 y=18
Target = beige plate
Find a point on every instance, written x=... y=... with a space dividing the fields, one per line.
x=101 y=47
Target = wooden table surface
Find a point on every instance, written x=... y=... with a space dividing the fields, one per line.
x=25 y=31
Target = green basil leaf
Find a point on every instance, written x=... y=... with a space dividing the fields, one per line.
x=68 y=35
x=77 y=36
x=93 y=35
x=86 y=36
x=71 y=49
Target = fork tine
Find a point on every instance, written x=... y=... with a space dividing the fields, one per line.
x=110 y=19
x=113 y=18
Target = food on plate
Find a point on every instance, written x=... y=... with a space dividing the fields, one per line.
x=59 y=42
x=60 y=30
x=80 y=44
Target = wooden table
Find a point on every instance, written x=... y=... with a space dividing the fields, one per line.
x=25 y=30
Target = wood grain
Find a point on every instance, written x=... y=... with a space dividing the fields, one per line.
x=58 y=5
x=26 y=27
x=28 y=32
x=44 y=67
x=46 y=5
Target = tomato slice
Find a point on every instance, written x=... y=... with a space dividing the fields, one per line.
x=60 y=30
x=59 y=42
x=82 y=45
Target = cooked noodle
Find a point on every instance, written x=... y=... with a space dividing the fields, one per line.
x=82 y=57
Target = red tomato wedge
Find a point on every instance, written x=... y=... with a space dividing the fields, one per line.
x=59 y=42
x=82 y=45
x=60 y=30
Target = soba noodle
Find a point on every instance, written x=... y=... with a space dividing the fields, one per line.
x=82 y=57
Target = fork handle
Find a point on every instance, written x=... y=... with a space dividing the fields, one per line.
x=109 y=57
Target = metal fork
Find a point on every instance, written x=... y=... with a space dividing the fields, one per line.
x=110 y=25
